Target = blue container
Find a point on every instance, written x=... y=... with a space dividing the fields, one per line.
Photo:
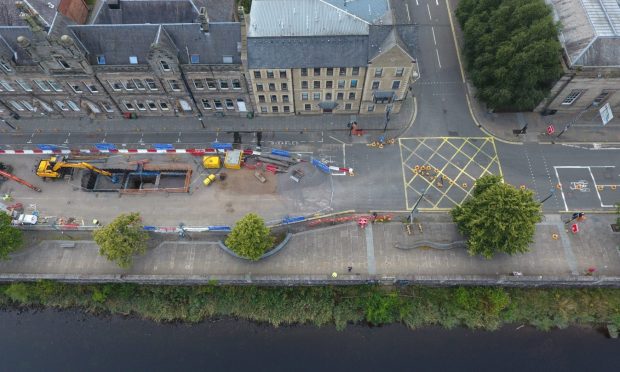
x=222 y=146
x=105 y=146
x=281 y=152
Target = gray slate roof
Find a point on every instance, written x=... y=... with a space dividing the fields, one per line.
x=116 y=42
x=148 y=11
x=382 y=38
x=165 y=11
x=8 y=43
x=220 y=41
x=314 y=51
x=590 y=31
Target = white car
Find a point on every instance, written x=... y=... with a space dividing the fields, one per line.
x=26 y=219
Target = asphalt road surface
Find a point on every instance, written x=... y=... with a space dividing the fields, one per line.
x=575 y=177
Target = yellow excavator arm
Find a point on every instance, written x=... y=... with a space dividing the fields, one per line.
x=48 y=168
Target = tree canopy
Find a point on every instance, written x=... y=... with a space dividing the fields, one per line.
x=511 y=50
x=250 y=237
x=498 y=218
x=122 y=239
x=11 y=238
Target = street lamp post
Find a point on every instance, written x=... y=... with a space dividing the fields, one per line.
x=573 y=121
x=414 y=210
x=387 y=117
x=552 y=192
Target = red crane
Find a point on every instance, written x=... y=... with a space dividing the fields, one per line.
x=19 y=180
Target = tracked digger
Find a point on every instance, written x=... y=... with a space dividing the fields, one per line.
x=57 y=166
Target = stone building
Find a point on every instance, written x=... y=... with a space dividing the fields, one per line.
x=324 y=56
x=590 y=37
x=152 y=58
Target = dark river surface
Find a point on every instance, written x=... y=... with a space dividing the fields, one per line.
x=51 y=340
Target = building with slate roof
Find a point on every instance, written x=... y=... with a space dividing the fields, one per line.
x=324 y=56
x=144 y=57
x=590 y=37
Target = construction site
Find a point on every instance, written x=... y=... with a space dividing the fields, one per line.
x=216 y=186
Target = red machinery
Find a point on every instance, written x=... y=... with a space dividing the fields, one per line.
x=19 y=180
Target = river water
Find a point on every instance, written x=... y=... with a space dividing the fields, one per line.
x=52 y=340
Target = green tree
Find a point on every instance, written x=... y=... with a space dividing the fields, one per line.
x=511 y=51
x=122 y=239
x=497 y=218
x=11 y=238
x=250 y=237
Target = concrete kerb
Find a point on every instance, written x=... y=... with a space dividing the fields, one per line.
x=343 y=279
x=270 y=253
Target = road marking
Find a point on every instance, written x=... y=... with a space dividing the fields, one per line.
x=598 y=193
x=437 y=146
x=30 y=140
x=408 y=15
x=561 y=191
x=416 y=3
x=429 y=12
x=434 y=39
x=438 y=60
x=67 y=140
x=437 y=2
x=336 y=139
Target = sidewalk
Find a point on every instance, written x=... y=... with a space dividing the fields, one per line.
x=228 y=123
x=383 y=252
x=589 y=129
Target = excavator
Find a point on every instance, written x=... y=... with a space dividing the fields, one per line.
x=54 y=166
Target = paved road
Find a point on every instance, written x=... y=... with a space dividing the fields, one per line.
x=385 y=179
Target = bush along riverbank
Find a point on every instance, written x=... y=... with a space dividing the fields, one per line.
x=474 y=307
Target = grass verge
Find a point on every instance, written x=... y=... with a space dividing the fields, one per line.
x=473 y=307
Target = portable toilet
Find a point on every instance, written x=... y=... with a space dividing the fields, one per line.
x=233 y=159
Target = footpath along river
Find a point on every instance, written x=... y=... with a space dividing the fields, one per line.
x=52 y=340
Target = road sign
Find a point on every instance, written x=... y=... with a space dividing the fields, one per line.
x=574 y=228
x=606 y=114
x=550 y=130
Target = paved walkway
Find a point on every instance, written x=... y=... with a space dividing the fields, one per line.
x=312 y=256
x=588 y=129
x=307 y=123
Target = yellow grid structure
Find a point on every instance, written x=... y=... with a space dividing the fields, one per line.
x=446 y=149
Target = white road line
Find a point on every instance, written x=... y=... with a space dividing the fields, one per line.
x=416 y=3
x=584 y=167
x=555 y=169
x=336 y=139
x=434 y=40
x=598 y=193
x=437 y=2
x=344 y=156
x=408 y=15
x=429 y=12
x=438 y=60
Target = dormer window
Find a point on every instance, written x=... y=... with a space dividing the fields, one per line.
x=63 y=63
x=5 y=66
x=101 y=59
x=164 y=66
x=194 y=59
x=133 y=60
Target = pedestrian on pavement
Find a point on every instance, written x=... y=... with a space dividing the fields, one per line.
x=353 y=128
x=350 y=268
